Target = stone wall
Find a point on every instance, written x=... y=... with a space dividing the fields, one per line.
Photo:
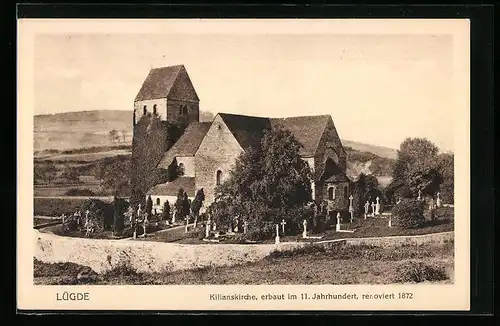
x=102 y=255
x=218 y=151
x=173 y=107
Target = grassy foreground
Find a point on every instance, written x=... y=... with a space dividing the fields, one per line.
x=341 y=264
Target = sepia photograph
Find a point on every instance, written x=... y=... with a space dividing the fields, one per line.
x=270 y=153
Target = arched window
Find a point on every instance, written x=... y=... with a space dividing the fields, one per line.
x=158 y=201
x=218 y=177
x=331 y=193
x=184 y=109
x=154 y=109
x=181 y=169
x=145 y=109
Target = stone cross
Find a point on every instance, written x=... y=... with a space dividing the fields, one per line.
x=390 y=221
x=367 y=208
x=215 y=226
x=144 y=226
x=236 y=227
x=277 y=240
x=304 y=233
x=419 y=195
x=350 y=200
x=283 y=223
x=337 y=227
x=377 y=207
x=373 y=209
x=245 y=227
x=438 y=200
x=173 y=215
x=187 y=221
x=399 y=200
x=207 y=229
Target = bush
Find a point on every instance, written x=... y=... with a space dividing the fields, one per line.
x=417 y=272
x=198 y=233
x=409 y=214
x=79 y=192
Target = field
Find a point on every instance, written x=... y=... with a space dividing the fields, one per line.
x=58 y=206
x=84 y=157
x=343 y=264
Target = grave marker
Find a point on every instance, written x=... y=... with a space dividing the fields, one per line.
x=277 y=240
x=337 y=227
x=304 y=233
x=283 y=223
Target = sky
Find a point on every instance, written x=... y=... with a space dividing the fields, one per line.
x=379 y=89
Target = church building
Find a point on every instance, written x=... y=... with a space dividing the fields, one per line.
x=207 y=151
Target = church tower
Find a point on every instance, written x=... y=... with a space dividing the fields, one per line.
x=168 y=93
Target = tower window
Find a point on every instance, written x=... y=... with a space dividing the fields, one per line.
x=181 y=169
x=154 y=109
x=158 y=201
x=218 y=177
x=145 y=109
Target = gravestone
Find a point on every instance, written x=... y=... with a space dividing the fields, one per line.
x=438 y=200
x=207 y=229
x=367 y=208
x=283 y=223
x=399 y=200
x=245 y=227
x=277 y=239
x=351 y=209
x=304 y=233
x=337 y=227
x=390 y=221
x=373 y=209
x=237 y=223
x=419 y=195
x=377 y=206
x=187 y=221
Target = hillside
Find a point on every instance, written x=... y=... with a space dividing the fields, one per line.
x=71 y=130
x=82 y=129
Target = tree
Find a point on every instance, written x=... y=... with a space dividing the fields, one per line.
x=118 y=217
x=446 y=172
x=409 y=214
x=149 y=206
x=197 y=203
x=113 y=135
x=166 y=210
x=366 y=188
x=415 y=168
x=116 y=176
x=179 y=202
x=185 y=206
x=267 y=184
